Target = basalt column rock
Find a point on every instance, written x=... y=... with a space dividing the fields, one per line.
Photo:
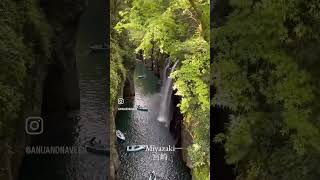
x=149 y=63
x=61 y=93
x=61 y=88
x=183 y=136
x=128 y=90
x=177 y=118
x=114 y=160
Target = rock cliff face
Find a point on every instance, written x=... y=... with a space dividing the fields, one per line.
x=123 y=88
x=183 y=136
x=128 y=90
x=115 y=163
x=51 y=81
x=61 y=87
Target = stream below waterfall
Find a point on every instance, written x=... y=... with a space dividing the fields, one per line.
x=142 y=127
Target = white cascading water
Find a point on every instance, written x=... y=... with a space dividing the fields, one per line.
x=165 y=71
x=166 y=93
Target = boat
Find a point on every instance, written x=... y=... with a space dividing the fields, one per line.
x=120 y=135
x=98 y=47
x=135 y=148
x=141 y=76
x=152 y=176
x=98 y=148
x=139 y=108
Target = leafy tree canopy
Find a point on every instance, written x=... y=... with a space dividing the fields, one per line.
x=264 y=72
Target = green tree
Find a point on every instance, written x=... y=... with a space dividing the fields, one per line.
x=264 y=72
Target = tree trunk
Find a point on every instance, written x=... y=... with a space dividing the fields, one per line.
x=204 y=29
x=152 y=56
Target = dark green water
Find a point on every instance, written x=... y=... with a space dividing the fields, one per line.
x=141 y=127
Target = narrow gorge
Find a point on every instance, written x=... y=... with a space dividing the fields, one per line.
x=38 y=54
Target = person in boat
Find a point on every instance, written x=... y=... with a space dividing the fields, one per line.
x=152 y=175
x=94 y=141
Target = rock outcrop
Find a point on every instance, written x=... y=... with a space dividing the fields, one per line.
x=128 y=89
x=114 y=160
x=181 y=133
x=61 y=88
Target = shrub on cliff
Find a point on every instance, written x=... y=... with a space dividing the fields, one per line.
x=24 y=41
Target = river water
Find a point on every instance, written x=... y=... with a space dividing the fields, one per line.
x=142 y=127
x=90 y=121
x=93 y=94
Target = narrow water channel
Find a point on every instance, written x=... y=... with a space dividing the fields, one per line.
x=93 y=95
x=142 y=127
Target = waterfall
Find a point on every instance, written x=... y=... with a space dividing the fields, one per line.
x=165 y=70
x=166 y=93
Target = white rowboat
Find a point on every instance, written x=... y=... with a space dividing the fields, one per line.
x=120 y=135
x=135 y=148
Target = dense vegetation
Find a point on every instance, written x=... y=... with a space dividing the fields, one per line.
x=180 y=29
x=24 y=42
x=121 y=52
x=121 y=62
x=266 y=73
